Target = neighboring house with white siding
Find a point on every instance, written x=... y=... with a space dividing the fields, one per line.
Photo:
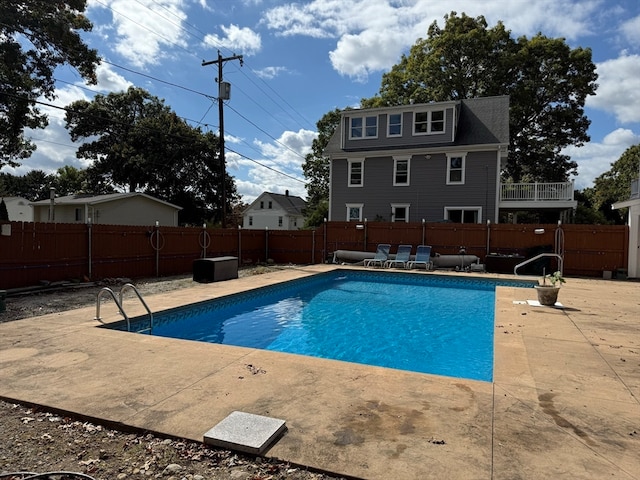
x=19 y=209
x=433 y=162
x=633 y=221
x=275 y=212
x=114 y=209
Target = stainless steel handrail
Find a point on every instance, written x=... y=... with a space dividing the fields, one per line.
x=131 y=286
x=542 y=255
x=115 y=299
x=119 y=303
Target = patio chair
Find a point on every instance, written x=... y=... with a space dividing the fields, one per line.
x=402 y=257
x=423 y=258
x=381 y=256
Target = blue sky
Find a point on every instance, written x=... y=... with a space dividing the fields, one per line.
x=305 y=58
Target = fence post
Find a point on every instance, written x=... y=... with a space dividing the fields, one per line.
x=365 y=235
x=324 y=248
x=488 y=236
x=206 y=240
x=239 y=245
x=89 y=230
x=266 y=244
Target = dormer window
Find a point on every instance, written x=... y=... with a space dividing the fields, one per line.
x=363 y=127
x=429 y=122
x=394 y=125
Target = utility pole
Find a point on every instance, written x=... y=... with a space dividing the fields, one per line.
x=224 y=93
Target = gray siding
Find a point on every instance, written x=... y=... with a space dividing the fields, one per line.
x=407 y=140
x=427 y=193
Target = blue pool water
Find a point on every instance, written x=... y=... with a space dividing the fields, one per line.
x=422 y=323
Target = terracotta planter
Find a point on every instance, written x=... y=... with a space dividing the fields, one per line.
x=547 y=294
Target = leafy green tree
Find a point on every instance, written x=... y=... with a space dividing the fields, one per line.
x=547 y=81
x=585 y=211
x=139 y=144
x=69 y=180
x=614 y=185
x=316 y=170
x=33 y=186
x=36 y=36
x=126 y=139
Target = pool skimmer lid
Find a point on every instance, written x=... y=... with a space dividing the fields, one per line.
x=245 y=432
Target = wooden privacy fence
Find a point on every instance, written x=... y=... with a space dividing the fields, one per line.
x=31 y=253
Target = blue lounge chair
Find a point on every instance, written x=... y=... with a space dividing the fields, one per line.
x=402 y=257
x=423 y=258
x=382 y=254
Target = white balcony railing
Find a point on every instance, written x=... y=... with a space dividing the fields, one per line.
x=536 y=192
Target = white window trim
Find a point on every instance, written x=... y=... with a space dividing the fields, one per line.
x=354 y=205
x=400 y=205
x=350 y=161
x=397 y=159
x=390 y=135
x=429 y=122
x=364 y=127
x=468 y=207
x=462 y=155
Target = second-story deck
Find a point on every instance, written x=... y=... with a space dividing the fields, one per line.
x=537 y=195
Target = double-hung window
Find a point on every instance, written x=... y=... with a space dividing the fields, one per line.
x=455 y=169
x=356 y=173
x=394 y=125
x=363 y=127
x=428 y=122
x=400 y=171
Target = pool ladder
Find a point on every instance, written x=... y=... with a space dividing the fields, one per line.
x=119 y=303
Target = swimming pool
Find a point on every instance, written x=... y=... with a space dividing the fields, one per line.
x=424 y=323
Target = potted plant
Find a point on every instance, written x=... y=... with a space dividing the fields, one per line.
x=549 y=287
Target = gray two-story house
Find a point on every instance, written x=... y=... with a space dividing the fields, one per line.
x=432 y=162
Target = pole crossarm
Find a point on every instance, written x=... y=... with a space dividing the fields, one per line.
x=223 y=190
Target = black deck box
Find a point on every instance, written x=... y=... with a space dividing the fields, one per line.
x=207 y=270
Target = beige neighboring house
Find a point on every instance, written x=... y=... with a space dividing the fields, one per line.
x=275 y=212
x=19 y=209
x=113 y=209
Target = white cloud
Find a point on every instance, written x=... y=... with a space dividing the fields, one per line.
x=145 y=30
x=371 y=35
x=619 y=88
x=238 y=39
x=631 y=31
x=270 y=72
x=110 y=81
x=596 y=158
x=266 y=174
x=358 y=55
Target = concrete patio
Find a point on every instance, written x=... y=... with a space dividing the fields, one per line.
x=565 y=401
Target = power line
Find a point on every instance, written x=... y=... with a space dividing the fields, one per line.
x=267 y=167
x=66 y=109
x=100 y=93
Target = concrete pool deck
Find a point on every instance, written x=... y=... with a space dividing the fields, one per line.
x=564 y=403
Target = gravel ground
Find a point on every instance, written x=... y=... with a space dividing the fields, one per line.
x=38 y=441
